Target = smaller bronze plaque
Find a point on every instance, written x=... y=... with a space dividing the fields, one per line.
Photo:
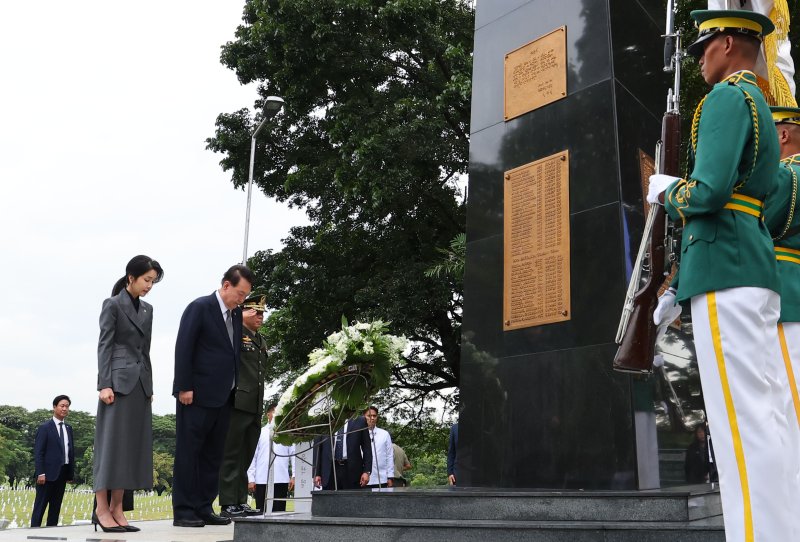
x=536 y=74
x=536 y=262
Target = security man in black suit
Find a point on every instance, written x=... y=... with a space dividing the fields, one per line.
x=206 y=371
x=54 y=459
x=352 y=456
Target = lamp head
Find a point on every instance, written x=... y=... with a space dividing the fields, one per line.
x=272 y=105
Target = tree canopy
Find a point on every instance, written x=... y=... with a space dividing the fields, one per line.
x=18 y=432
x=372 y=143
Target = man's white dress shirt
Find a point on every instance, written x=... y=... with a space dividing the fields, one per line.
x=382 y=457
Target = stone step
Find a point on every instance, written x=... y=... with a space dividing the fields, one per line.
x=669 y=505
x=290 y=527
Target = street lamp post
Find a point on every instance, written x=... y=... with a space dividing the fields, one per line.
x=271 y=108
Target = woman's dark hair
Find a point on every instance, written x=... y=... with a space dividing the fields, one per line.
x=138 y=266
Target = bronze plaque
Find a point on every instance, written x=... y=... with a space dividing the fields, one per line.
x=536 y=74
x=647 y=167
x=536 y=278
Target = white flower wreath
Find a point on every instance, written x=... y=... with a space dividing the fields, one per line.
x=351 y=366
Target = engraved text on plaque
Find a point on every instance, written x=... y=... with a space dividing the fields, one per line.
x=536 y=74
x=536 y=279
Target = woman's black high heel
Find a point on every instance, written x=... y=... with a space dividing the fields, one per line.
x=115 y=529
x=131 y=528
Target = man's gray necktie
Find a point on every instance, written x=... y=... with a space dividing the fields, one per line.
x=338 y=453
x=229 y=325
x=63 y=444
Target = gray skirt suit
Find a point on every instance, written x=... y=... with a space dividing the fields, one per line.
x=123 y=440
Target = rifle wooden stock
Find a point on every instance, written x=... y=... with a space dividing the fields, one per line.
x=637 y=348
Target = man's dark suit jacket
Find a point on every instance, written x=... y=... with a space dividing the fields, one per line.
x=205 y=361
x=322 y=461
x=48 y=452
x=359 y=447
x=452 y=449
x=359 y=455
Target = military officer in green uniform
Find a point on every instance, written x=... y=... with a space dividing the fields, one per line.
x=783 y=221
x=245 y=425
x=729 y=276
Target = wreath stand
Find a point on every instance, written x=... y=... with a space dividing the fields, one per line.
x=318 y=414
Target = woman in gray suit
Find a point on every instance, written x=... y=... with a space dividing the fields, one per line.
x=123 y=441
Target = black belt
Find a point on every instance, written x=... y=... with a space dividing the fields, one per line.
x=340 y=461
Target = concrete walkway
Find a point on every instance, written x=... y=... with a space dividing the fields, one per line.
x=151 y=531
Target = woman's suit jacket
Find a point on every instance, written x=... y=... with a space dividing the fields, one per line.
x=123 y=352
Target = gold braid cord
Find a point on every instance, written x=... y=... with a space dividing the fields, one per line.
x=790 y=215
x=679 y=197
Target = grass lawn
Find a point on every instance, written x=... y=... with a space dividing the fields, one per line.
x=16 y=506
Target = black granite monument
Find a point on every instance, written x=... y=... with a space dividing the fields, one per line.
x=542 y=407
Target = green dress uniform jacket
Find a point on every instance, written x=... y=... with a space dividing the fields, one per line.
x=245 y=421
x=733 y=162
x=252 y=374
x=784 y=224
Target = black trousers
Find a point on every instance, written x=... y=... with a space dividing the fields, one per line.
x=240 y=446
x=199 y=444
x=49 y=495
x=280 y=491
x=348 y=475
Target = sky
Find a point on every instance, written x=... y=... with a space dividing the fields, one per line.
x=104 y=111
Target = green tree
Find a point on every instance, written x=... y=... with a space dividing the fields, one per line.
x=84 y=467
x=164 y=434
x=16 y=461
x=83 y=426
x=162 y=472
x=372 y=142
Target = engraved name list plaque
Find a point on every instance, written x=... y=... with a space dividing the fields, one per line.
x=536 y=259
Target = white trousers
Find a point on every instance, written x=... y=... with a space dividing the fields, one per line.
x=736 y=340
x=789 y=342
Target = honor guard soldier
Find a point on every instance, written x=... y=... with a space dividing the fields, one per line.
x=729 y=275
x=246 y=414
x=783 y=221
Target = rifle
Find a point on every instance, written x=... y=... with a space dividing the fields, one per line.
x=636 y=335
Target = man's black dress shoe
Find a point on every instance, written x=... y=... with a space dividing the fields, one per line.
x=188 y=523
x=250 y=511
x=232 y=511
x=214 y=519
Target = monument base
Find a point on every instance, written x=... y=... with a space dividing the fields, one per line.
x=682 y=514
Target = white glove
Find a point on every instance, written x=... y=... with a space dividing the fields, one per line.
x=667 y=310
x=658 y=361
x=658 y=183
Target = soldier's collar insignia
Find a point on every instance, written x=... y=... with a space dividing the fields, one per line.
x=792 y=160
x=742 y=75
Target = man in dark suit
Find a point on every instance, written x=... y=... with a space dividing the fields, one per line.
x=206 y=371
x=352 y=456
x=323 y=477
x=452 y=455
x=54 y=459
